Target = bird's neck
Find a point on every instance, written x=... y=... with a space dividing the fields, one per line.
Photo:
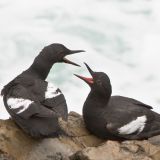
x=40 y=67
x=98 y=98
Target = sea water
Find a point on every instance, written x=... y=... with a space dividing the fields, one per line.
x=121 y=38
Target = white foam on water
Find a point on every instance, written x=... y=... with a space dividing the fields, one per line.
x=121 y=38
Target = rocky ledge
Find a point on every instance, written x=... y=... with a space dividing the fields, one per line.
x=16 y=145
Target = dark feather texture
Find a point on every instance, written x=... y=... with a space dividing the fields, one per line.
x=116 y=117
x=33 y=103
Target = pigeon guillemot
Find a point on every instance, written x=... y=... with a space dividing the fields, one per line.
x=33 y=103
x=116 y=117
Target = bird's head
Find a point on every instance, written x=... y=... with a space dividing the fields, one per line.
x=99 y=82
x=57 y=53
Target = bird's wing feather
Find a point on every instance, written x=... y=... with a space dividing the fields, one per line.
x=135 y=102
x=140 y=103
x=47 y=94
x=22 y=103
x=129 y=125
x=37 y=110
x=54 y=99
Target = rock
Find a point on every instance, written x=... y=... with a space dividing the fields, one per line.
x=112 y=150
x=15 y=144
x=80 y=145
x=155 y=140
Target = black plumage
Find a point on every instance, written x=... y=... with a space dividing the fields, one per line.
x=33 y=103
x=116 y=117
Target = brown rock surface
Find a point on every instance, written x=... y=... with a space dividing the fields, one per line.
x=112 y=150
x=16 y=145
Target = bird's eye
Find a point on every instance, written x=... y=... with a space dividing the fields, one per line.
x=98 y=82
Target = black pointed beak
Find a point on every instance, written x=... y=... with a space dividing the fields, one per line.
x=65 y=60
x=89 y=69
x=76 y=51
x=89 y=81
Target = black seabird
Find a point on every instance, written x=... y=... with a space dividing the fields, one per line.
x=33 y=103
x=116 y=117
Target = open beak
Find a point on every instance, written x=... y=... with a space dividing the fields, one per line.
x=65 y=60
x=89 y=81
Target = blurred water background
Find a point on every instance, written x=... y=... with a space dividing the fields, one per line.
x=121 y=38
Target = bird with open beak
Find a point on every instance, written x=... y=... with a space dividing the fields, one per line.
x=33 y=103
x=116 y=117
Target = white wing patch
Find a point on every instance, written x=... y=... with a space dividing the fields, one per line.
x=51 y=91
x=133 y=126
x=15 y=103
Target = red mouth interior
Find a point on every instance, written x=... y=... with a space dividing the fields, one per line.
x=89 y=80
